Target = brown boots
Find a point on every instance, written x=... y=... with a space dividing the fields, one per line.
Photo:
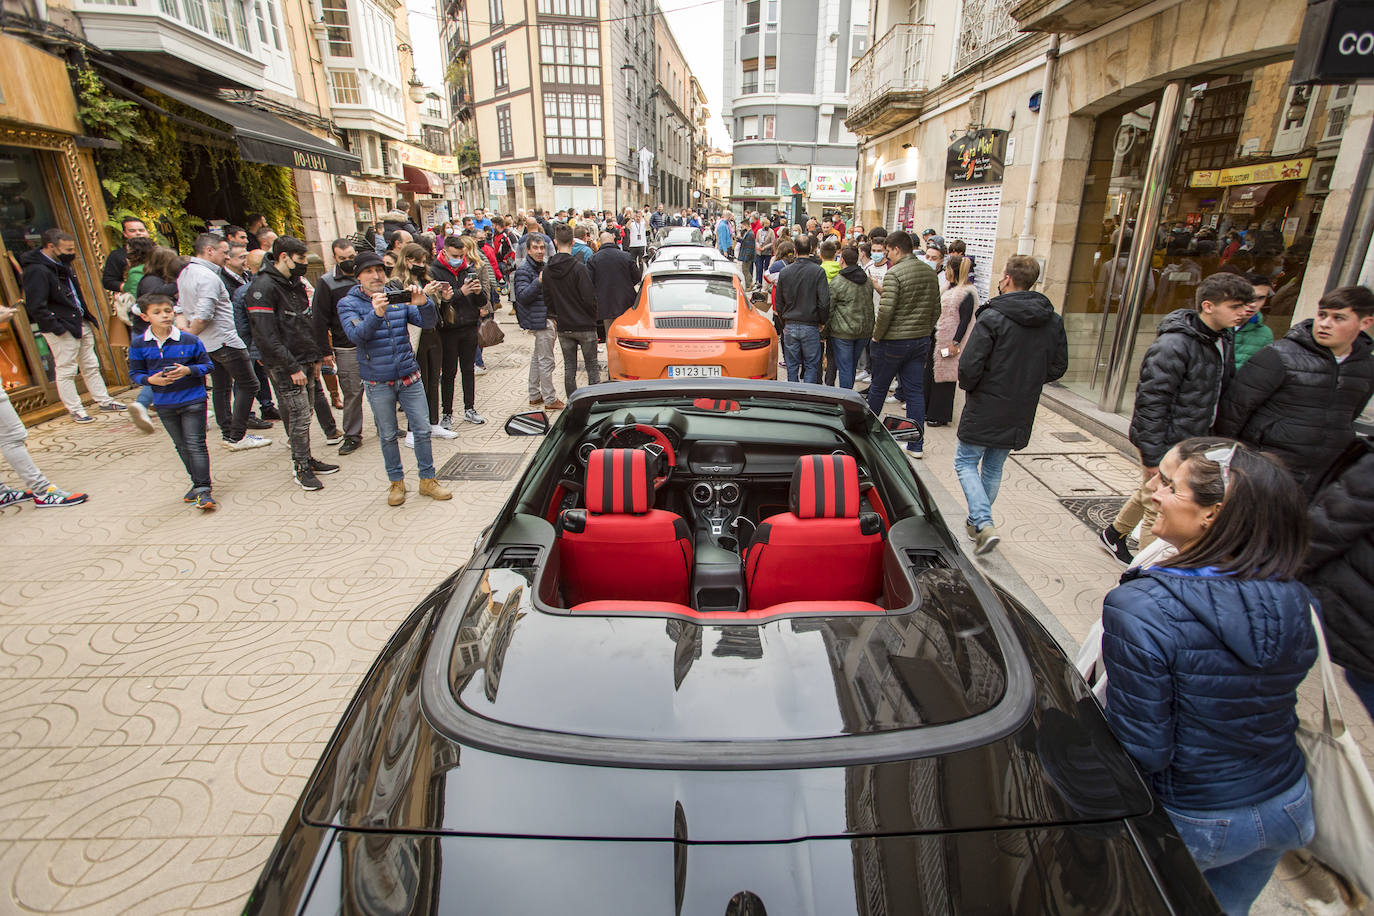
x=397 y=494
x=431 y=488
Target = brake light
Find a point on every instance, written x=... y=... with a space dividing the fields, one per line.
x=629 y=343
x=754 y=344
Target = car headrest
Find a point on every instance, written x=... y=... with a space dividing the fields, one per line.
x=825 y=486
x=618 y=481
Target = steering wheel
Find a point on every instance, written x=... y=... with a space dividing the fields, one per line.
x=659 y=447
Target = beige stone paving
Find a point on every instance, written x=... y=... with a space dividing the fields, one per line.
x=168 y=679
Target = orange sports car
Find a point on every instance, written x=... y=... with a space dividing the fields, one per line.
x=692 y=324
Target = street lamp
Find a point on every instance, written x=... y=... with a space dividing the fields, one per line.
x=417 y=88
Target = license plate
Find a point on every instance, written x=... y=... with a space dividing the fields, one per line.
x=694 y=372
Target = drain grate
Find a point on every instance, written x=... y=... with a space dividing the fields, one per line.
x=481 y=466
x=1072 y=435
x=1097 y=512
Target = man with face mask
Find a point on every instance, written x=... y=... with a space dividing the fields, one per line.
x=284 y=332
x=54 y=302
x=339 y=351
x=391 y=375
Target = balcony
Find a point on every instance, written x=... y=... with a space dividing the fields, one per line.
x=986 y=27
x=203 y=42
x=887 y=86
x=1072 y=17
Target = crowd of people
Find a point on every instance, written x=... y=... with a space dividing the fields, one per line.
x=1255 y=507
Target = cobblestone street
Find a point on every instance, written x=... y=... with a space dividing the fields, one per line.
x=168 y=679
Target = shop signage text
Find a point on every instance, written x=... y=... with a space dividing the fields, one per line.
x=361 y=187
x=977 y=158
x=1337 y=42
x=430 y=162
x=898 y=171
x=1265 y=173
x=834 y=184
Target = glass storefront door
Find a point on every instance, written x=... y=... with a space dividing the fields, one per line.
x=1244 y=187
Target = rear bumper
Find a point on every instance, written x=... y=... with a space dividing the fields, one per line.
x=629 y=365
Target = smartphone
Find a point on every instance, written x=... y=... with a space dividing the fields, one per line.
x=944 y=351
x=397 y=296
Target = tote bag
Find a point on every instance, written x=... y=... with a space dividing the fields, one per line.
x=1342 y=790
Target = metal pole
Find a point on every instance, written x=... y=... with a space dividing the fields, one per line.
x=1026 y=243
x=1162 y=149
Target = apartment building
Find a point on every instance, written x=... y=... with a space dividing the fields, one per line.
x=786 y=99
x=1120 y=144
x=672 y=97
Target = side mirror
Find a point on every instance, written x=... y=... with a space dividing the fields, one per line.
x=534 y=423
x=901 y=428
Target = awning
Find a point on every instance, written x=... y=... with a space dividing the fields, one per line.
x=419 y=181
x=1252 y=198
x=261 y=137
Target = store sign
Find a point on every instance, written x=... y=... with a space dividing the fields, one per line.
x=977 y=158
x=364 y=215
x=362 y=187
x=430 y=162
x=1265 y=173
x=1336 y=44
x=833 y=184
x=899 y=171
x=792 y=181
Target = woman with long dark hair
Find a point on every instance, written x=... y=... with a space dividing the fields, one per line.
x=1204 y=653
x=412 y=269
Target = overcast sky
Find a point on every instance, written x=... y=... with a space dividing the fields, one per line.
x=696 y=24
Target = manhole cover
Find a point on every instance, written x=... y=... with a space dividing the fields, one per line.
x=481 y=466
x=1097 y=512
x=1070 y=436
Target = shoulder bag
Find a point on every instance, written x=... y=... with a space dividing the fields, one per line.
x=1342 y=790
x=489 y=333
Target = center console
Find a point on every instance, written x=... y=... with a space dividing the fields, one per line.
x=718 y=571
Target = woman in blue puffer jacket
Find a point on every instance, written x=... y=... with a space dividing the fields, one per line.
x=1204 y=654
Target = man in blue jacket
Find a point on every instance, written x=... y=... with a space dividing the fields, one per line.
x=527 y=291
x=388 y=368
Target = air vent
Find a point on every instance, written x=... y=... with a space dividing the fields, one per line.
x=722 y=324
x=925 y=559
x=511 y=557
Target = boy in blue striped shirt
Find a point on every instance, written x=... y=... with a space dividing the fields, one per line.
x=175 y=363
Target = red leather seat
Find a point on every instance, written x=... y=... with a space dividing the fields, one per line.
x=619 y=547
x=822 y=550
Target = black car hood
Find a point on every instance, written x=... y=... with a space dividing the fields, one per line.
x=394 y=767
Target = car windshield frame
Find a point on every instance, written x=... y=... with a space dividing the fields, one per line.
x=672 y=236
x=677 y=294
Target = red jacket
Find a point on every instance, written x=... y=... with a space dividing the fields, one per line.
x=491 y=256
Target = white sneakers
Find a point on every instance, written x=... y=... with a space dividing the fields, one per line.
x=246 y=443
x=139 y=414
x=438 y=432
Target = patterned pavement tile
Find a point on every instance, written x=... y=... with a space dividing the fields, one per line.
x=168 y=679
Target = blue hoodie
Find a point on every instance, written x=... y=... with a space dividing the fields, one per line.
x=1202 y=678
x=384 y=351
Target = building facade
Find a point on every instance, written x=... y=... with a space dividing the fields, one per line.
x=786 y=97
x=674 y=126
x=716 y=190
x=1121 y=145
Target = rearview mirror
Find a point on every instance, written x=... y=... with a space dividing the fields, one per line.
x=534 y=423
x=901 y=428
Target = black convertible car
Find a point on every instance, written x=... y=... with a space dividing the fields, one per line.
x=718 y=654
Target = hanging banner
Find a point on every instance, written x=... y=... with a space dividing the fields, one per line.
x=833 y=184
x=977 y=158
x=430 y=162
x=792 y=181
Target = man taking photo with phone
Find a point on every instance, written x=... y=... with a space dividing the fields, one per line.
x=376 y=321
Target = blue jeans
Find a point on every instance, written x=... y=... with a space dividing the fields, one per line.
x=1237 y=848
x=186 y=425
x=383 y=399
x=980 y=486
x=904 y=360
x=760 y=265
x=801 y=345
x=846 y=356
x=1364 y=689
x=145 y=396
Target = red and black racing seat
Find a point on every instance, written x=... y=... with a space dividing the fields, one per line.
x=619 y=547
x=822 y=550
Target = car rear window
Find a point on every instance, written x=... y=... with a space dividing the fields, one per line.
x=693 y=294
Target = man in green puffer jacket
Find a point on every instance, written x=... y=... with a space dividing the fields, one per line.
x=907 y=310
x=851 y=314
x=1253 y=336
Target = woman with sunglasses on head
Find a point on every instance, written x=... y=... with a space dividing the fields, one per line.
x=1204 y=653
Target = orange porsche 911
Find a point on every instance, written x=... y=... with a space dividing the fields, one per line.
x=692 y=324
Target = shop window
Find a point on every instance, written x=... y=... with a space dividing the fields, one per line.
x=505 y=136
x=337 y=28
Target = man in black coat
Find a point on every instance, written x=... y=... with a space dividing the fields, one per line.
x=1017 y=344
x=1182 y=379
x=1339 y=567
x=615 y=276
x=571 y=302
x=1299 y=396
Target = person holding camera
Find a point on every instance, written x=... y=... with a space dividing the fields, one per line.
x=377 y=321
x=463 y=303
